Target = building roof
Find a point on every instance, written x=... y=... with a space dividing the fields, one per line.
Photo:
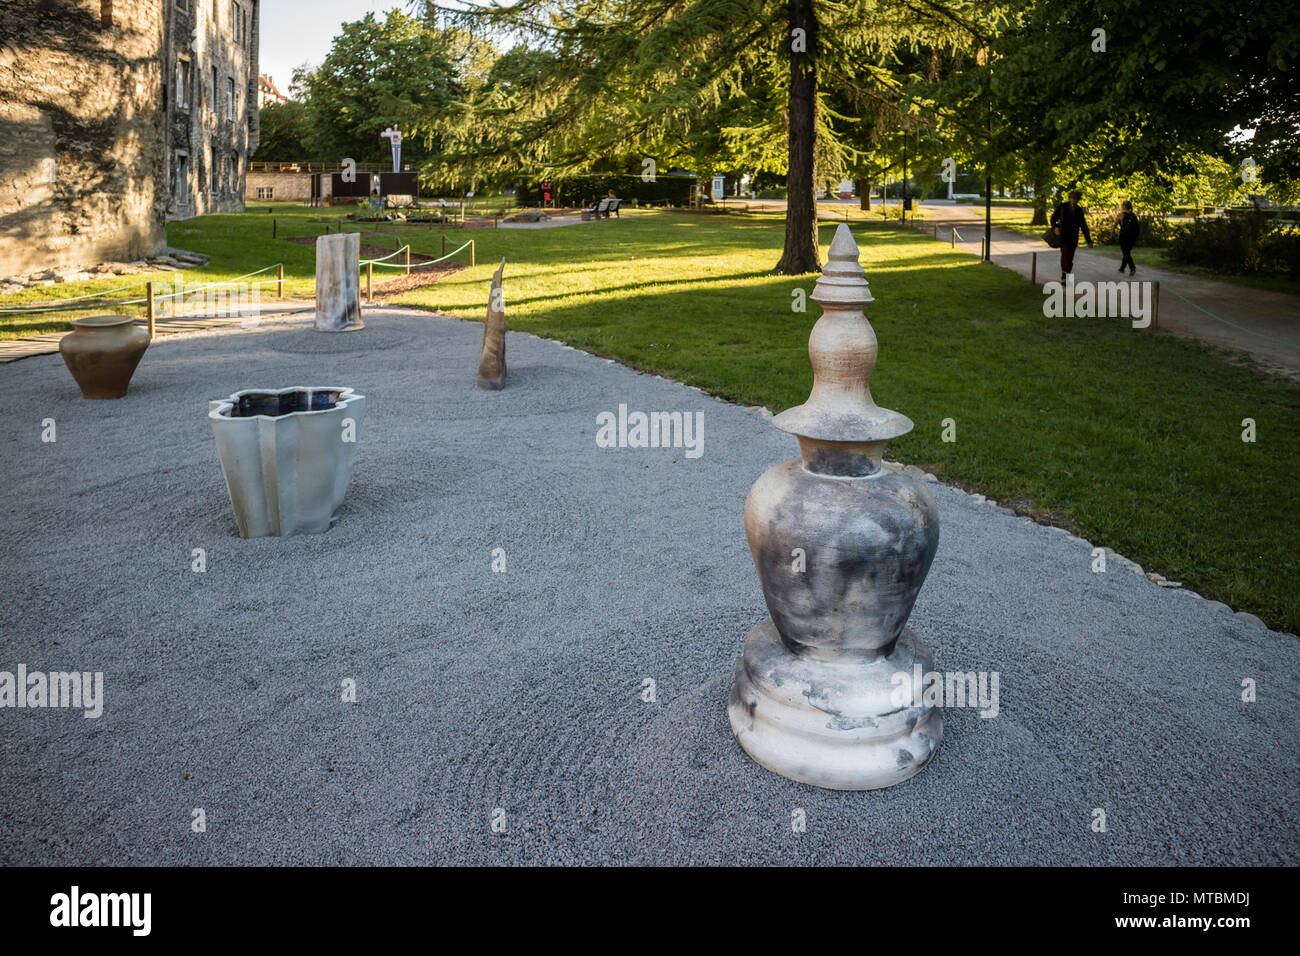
x=266 y=86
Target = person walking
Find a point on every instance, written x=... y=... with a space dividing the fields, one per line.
x=1068 y=220
x=1129 y=227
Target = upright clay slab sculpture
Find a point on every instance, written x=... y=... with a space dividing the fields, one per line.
x=287 y=455
x=492 y=363
x=842 y=546
x=102 y=352
x=338 y=283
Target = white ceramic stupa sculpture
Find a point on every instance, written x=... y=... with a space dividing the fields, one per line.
x=842 y=546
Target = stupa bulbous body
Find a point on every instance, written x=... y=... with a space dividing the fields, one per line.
x=842 y=545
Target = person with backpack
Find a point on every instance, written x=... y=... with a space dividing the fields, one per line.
x=1129 y=227
x=1068 y=219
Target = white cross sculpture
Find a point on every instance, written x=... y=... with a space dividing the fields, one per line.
x=395 y=138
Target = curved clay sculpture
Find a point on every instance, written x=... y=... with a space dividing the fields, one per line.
x=492 y=363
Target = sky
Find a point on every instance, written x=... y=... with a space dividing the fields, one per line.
x=300 y=31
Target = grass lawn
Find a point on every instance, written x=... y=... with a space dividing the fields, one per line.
x=1131 y=438
x=238 y=244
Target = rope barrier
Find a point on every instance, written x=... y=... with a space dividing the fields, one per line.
x=422 y=264
x=209 y=285
x=387 y=257
x=75 y=298
x=62 y=306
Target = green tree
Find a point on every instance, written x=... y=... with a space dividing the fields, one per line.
x=396 y=73
x=285 y=131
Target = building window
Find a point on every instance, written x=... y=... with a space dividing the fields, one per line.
x=106 y=14
x=236 y=20
x=183 y=84
x=182 y=179
x=212 y=91
x=265 y=192
x=230 y=98
x=182 y=4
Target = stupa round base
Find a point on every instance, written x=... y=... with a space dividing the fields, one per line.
x=833 y=723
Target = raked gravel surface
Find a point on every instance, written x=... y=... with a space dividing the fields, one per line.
x=518 y=695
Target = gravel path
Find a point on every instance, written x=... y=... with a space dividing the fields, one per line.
x=523 y=691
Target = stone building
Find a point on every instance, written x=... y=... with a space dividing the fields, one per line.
x=116 y=116
x=212 y=127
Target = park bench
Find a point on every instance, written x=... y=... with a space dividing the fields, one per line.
x=602 y=209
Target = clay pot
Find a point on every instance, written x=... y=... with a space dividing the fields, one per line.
x=102 y=352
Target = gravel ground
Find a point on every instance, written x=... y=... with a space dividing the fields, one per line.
x=519 y=694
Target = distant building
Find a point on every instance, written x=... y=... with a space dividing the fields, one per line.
x=117 y=116
x=267 y=92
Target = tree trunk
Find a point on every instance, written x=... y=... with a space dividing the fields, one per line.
x=1040 y=206
x=864 y=193
x=1040 y=198
x=801 y=254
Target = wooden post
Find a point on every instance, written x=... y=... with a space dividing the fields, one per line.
x=1033 y=269
x=279 y=280
x=462 y=212
x=148 y=291
x=273 y=228
x=444 y=245
x=471 y=252
x=953 y=241
x=1155 y=305
x=936 y=230
x=370 y=278
x=406 y=257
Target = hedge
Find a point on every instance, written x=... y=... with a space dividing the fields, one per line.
x=581 y=190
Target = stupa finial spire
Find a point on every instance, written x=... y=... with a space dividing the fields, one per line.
x=842 y=348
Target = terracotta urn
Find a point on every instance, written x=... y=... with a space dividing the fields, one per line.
x=102 y=352
x=842 y=546
x=287 y=455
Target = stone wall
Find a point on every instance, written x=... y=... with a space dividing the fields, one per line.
x=82 y=143
x=116 y=116
x=286 y=186
x=212 y=104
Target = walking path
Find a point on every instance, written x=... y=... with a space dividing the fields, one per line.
x=521 y=695
x=1265 y=325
